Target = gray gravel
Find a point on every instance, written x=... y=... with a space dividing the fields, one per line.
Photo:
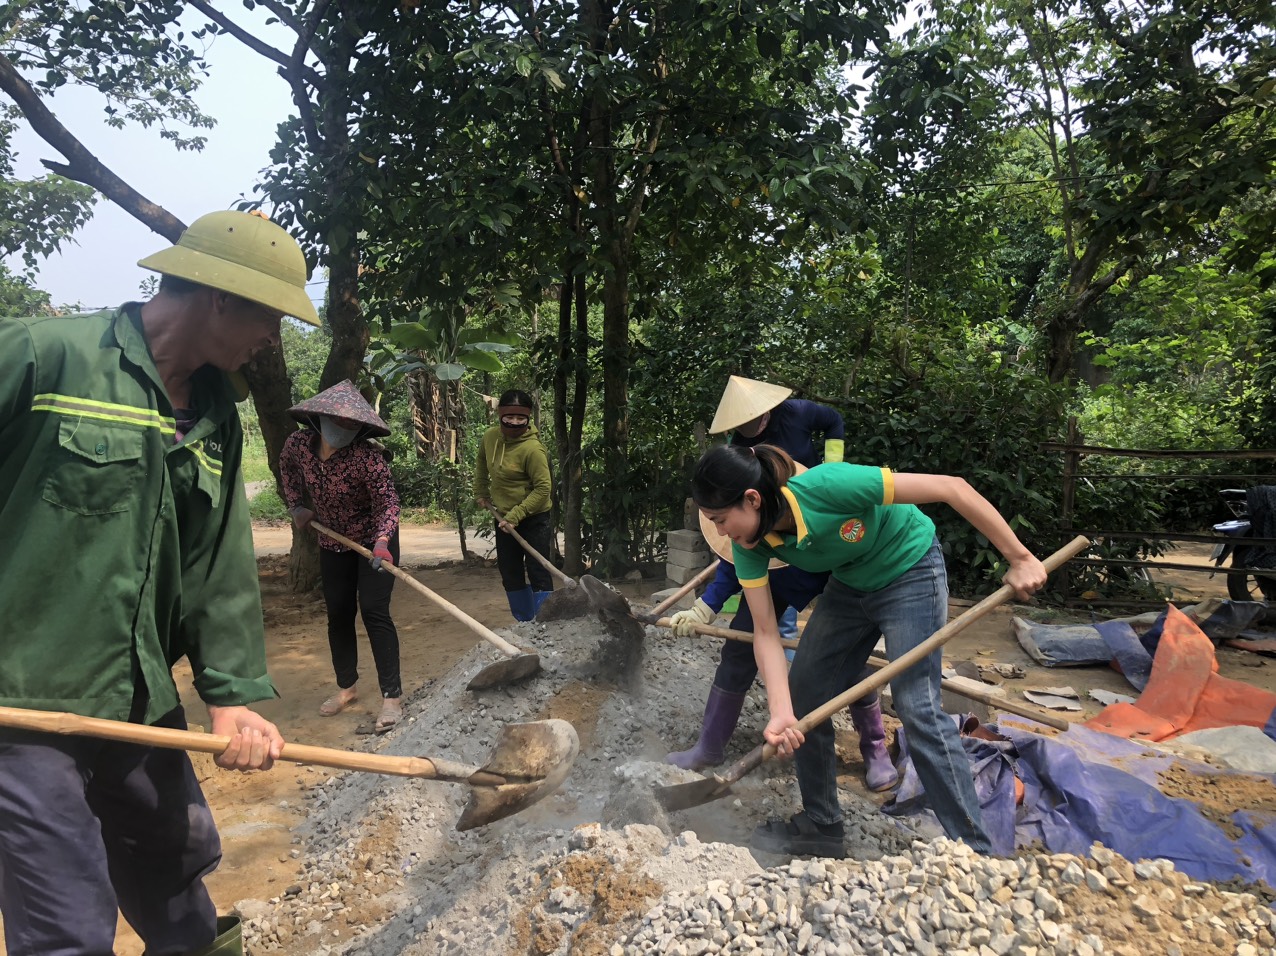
x=597 y=869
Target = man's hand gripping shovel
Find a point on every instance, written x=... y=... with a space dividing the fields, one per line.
x=528 y=763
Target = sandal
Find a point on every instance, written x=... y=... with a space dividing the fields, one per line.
x=391 y=712
x=338 y=702
x=800 y=836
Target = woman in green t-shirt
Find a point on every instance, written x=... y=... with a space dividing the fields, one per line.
x=887 y=580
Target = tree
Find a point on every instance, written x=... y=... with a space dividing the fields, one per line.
x=1155 y=120
x=582 y=151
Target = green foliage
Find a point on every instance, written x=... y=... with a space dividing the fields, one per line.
x=266 y=505
x=38 y=216
x=135 y=54
x=18 y=297
x=305 y=352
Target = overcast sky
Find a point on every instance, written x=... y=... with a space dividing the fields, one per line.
x=246 y=97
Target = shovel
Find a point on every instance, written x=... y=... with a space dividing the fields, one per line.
x=517 y=666
x=687 y=795
x=528 y=763
x=566 y=602
x=653 y=616
x=961 y=690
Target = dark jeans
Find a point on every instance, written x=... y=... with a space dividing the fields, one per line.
x=349 y=583
x=87 y=826
x=790 y=587
x=514 y=563
x=835 y=646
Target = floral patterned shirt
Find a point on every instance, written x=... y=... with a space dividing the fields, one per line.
x=351 y=492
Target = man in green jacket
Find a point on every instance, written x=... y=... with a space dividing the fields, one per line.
x=512 y=473
x=127 y=547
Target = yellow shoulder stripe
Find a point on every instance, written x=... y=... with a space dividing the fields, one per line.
x=798 y=520
x=103 y=411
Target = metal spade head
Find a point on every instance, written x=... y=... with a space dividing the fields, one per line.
x=565 y=603
x=535 y=758
x=511 y=670
x=684 y=796
x=613 y=609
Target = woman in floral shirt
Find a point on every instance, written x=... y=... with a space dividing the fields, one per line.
x=350 y=491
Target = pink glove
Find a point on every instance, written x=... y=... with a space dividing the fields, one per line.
x=381 y=552
x=302 y=517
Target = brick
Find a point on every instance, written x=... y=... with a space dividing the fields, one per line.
x=687 y=541
x=684 y=602
x=687 y=559
x=679 y=576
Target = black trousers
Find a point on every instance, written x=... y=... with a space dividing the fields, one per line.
x=88 y=825
x=349 y=583
x=513 y=562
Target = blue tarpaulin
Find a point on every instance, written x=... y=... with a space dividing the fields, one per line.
x=1082 y=786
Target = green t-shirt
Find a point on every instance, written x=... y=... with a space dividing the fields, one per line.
x=847 y=523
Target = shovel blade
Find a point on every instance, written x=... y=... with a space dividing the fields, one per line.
x=511 y=670
x=566 y=602
x=535 y=758
x=684 y=796
x=613 y=609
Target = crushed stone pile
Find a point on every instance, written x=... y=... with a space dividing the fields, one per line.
x=598 y=868
x=943 y=898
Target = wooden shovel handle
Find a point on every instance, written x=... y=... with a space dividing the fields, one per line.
x=502 y=645
x=973 y=693
x=726 y=633
x=547 y=564
x=993 y=700
x=651 y=616
x=904 y=661
x=935 y=641
x=169 y=738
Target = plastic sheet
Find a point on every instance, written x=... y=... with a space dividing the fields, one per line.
x=1083 y=786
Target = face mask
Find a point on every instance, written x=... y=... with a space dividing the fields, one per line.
x=334 y=434
x=514 y=425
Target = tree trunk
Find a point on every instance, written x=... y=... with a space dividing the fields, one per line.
x=271 y=389
x=427 y=424
x=618 y=550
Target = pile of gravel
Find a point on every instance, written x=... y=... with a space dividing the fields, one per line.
x=598 y=869
x=943 y=898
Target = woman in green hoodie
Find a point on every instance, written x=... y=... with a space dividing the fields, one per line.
x=512 y=473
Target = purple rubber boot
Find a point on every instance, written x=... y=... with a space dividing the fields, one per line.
x=879 y=772
x=721 y=714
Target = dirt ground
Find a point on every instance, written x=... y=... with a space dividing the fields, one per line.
x=256 y=813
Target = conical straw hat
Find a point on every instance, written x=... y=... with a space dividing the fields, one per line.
x=720 y=544
x=744 y=400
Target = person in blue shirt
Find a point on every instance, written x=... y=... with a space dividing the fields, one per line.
x=756 y=413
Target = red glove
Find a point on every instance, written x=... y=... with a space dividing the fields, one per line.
x=381 y=552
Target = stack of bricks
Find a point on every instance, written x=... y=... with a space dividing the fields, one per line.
x=688 y=554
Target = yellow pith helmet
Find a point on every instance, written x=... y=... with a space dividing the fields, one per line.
x=743 y=400
x=244 y=254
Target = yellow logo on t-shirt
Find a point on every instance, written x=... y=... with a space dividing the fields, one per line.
x=852 y=530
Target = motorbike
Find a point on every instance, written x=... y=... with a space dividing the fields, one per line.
x=1248 y=505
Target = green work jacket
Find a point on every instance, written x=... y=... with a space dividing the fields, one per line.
x=123 y=550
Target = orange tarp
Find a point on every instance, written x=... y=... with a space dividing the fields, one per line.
x=1185 y=692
